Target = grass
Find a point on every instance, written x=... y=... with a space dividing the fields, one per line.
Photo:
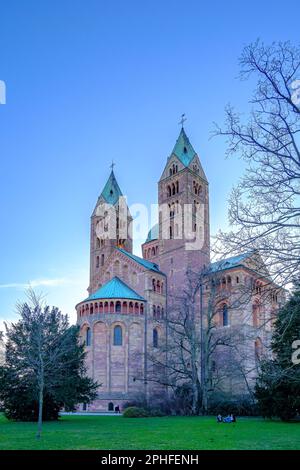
x=177 y=433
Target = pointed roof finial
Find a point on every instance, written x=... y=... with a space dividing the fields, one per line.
x=182 y=120
x=112 y=165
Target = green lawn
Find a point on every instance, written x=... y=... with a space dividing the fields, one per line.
x=109 y=432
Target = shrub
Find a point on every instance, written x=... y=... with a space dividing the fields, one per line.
x=135 y=412
x=239 y=406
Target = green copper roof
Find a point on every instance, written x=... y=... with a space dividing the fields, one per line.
x=153 y=234
x=115 y=289
x=111 y=191
x=146 y=264
x=229 y=262
x=183 y=149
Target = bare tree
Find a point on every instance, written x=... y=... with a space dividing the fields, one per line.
x=264 y=209
x=195 y=342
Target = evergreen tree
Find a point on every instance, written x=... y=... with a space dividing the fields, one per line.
x=44 y=365
x=278 y=385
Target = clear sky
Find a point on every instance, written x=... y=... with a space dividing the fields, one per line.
x=89 y=81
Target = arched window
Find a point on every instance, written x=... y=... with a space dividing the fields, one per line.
x=142 y=309
x=112 y=307
x=118 y=307
x=125 y=269
x=158 y=286
x=173 y=189
x=124 y=307
x=88 y=337
x=154 y=311
x=177 y=186
x=102 y=260
x=130 y=307
x=158 y=311
x=110 y=406
x=162 y=313
x=154 y=285
x=105 y=307
x=136 y=308
x=98 y=242
x=171 y=233
x=153 y=251
x=169 y=191
x=155 y=338
x=225 y=320
x=170 y=172
x=118 y=336
x=97 y=262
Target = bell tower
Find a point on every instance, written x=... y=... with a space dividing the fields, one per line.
x=183 y=199
x=111 y=227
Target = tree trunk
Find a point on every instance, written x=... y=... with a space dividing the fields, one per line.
x=40 y=417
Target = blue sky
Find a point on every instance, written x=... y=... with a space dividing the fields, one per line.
x=91 y=81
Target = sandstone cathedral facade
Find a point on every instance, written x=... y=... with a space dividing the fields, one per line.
x=124 y=320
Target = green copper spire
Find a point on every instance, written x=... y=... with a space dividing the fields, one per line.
x=111 y=191
x=183 y=149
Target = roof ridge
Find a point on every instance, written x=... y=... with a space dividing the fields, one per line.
x=147 y=264
x=131 y=294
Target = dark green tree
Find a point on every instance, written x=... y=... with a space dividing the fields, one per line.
x=44 y=366
x=278 y=385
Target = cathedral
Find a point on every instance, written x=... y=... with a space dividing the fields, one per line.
x=123 y=319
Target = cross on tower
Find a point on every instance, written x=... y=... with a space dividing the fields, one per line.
x=112 y=165
x=182 y=120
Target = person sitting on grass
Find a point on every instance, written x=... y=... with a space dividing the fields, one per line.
x=219 y=418
x=228 y=419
